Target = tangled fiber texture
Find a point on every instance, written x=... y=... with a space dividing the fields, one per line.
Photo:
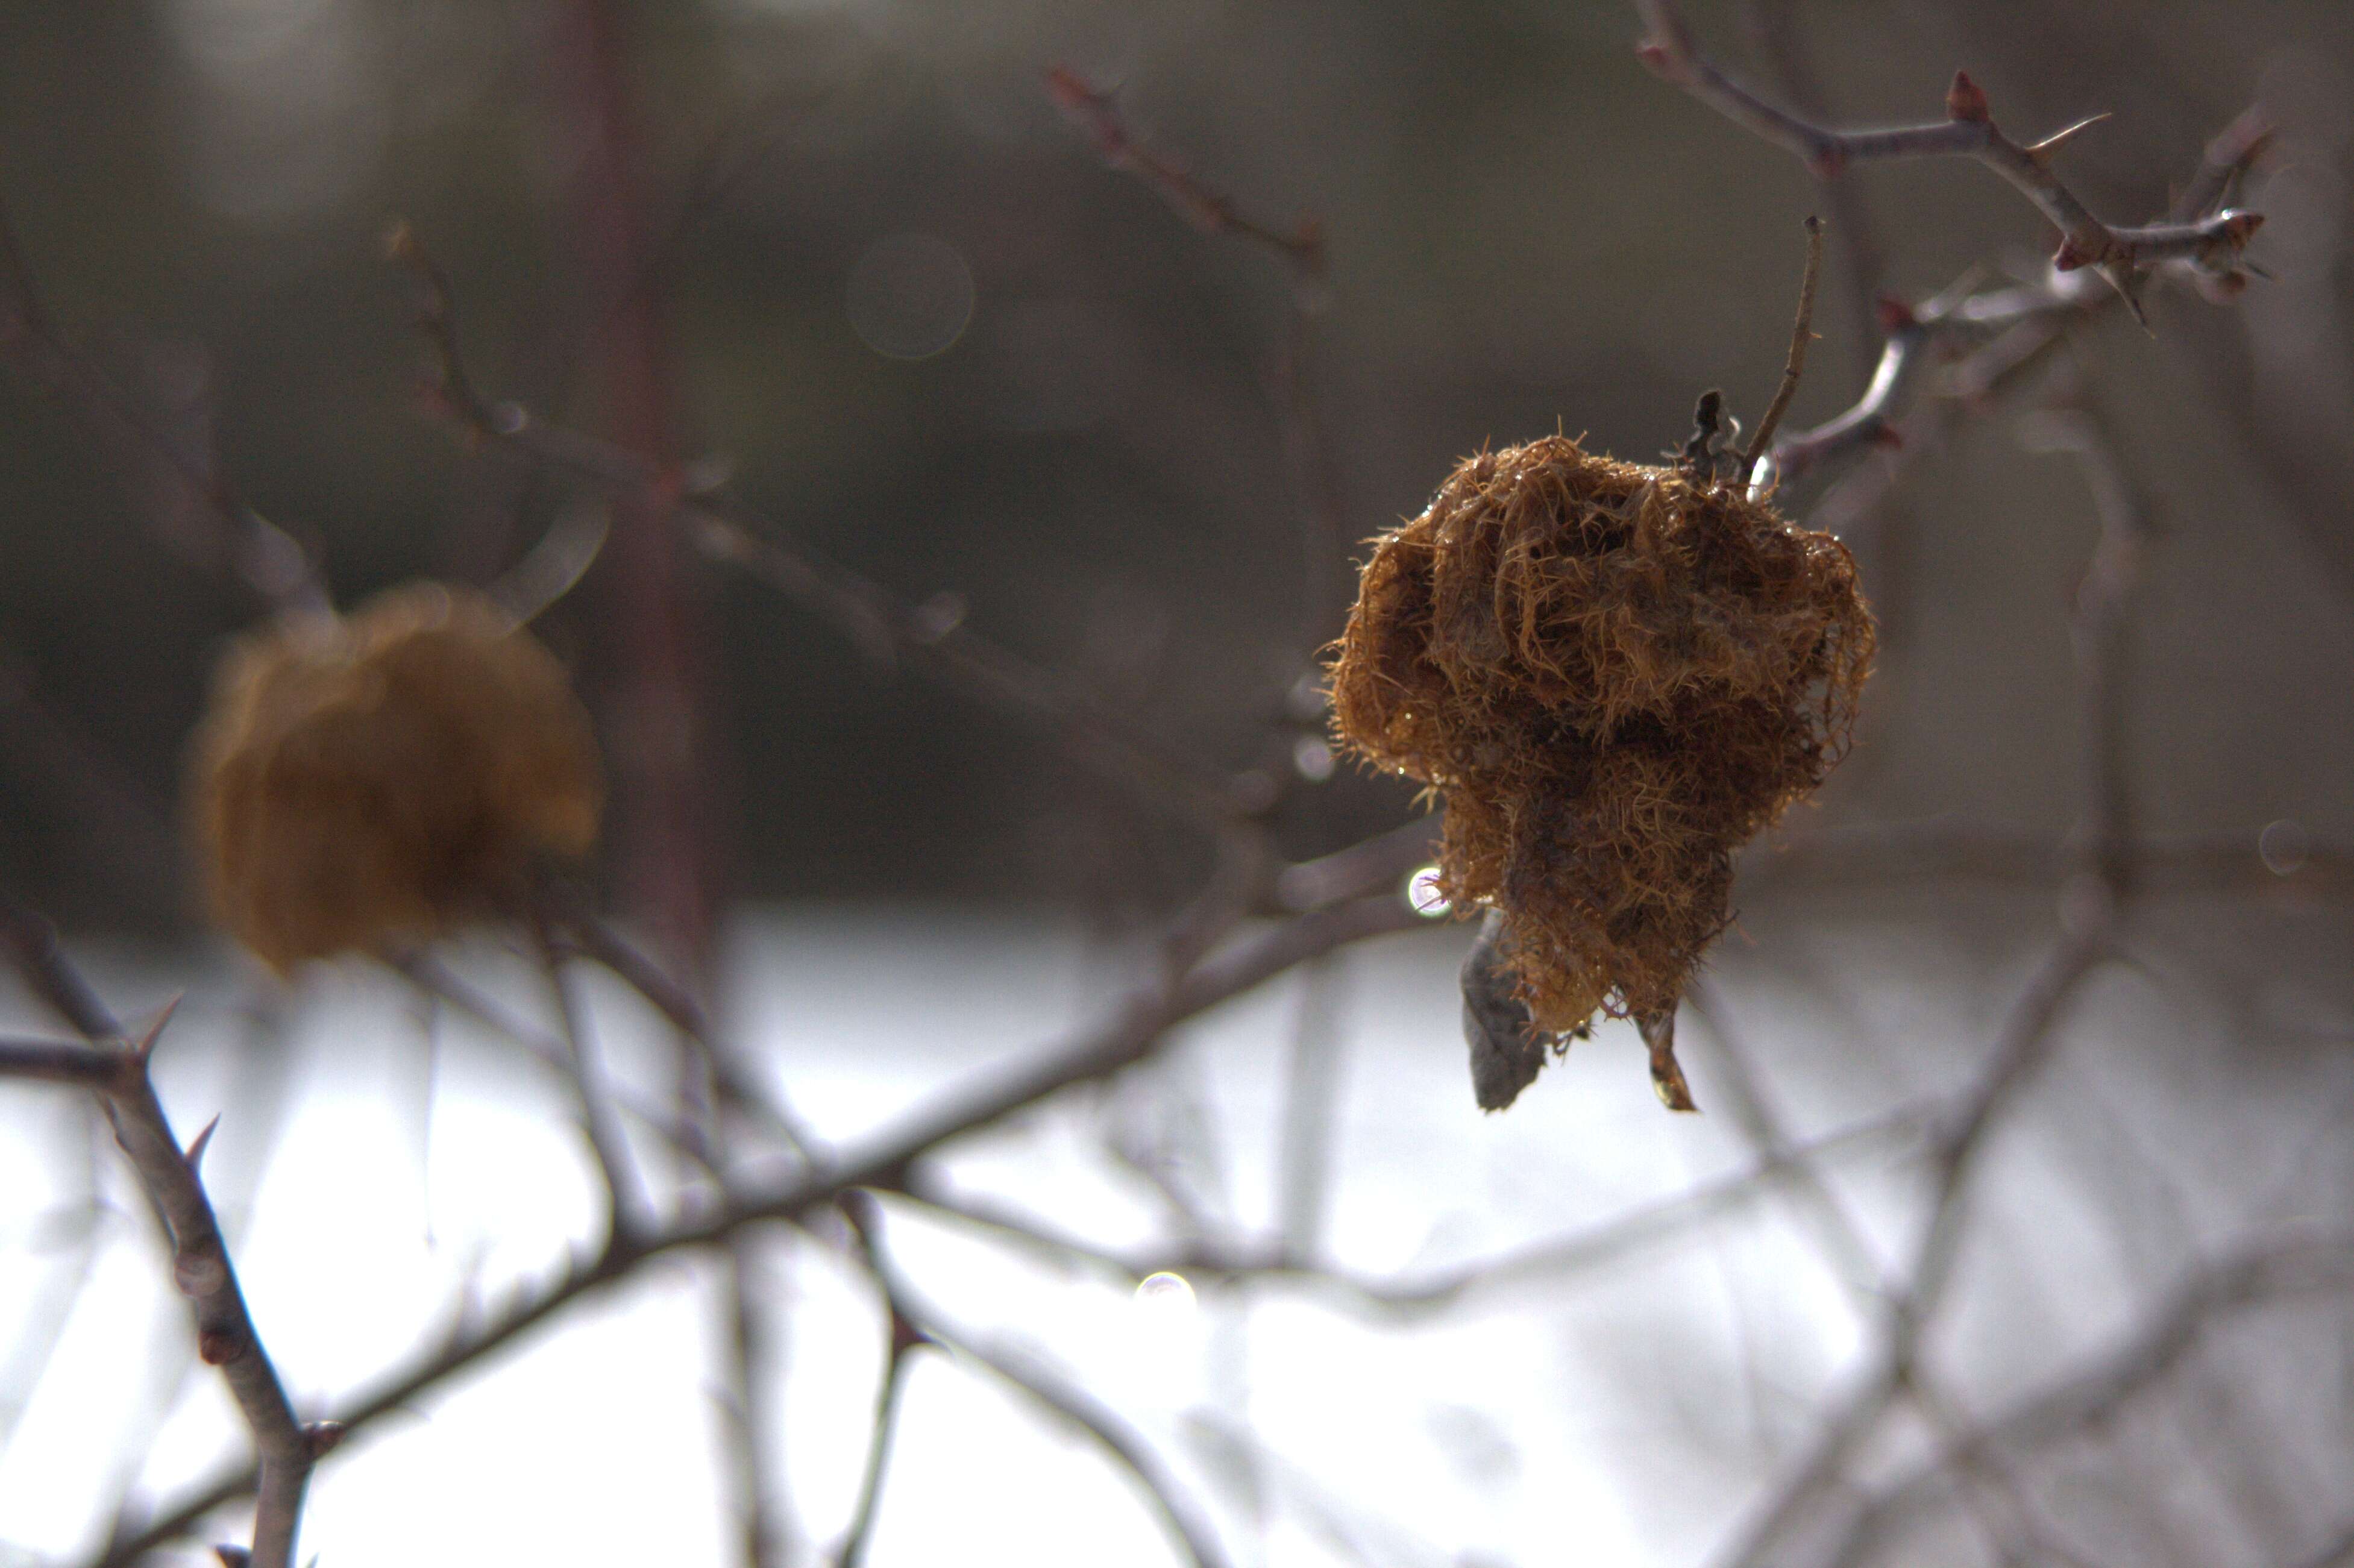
x=1614 y=674
x=386 y=774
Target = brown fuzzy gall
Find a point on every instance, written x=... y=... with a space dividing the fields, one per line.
x=386 y=774
x=1614 y=674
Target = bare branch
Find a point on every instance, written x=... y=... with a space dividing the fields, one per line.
x=2212 y=244
x=912 y=1323
x=116 y=1068
x=263 y=555
x=1130 y=1036
x=1211 y=211
x=1546 y=1262
x=931 y=637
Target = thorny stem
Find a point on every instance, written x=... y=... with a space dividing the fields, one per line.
x=115 y=1068
x=2213 y=244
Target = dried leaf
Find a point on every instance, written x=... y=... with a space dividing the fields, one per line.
x=1659 y=1031
x=1506 y=1048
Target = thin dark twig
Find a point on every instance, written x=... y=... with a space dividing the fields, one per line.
x=1802 y=334
x=1211 y=211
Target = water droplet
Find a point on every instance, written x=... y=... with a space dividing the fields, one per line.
x=1166 y=1294
x=1314 y=757
x=1422 y=892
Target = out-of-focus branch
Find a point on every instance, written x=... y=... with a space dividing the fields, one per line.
x=1211 y=211
x=1546 y=1262
x=2211 y=243
x=1131 y=1036
x=624 y=1215
x=115 y=1068
x=1774 y=26
x=931 y=637
x=765 y=1527
x=1301 y=249
x=914 y=1323
x=261 y=555
x=2096 y=1392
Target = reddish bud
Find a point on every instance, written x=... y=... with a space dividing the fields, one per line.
x=1966 y=100
x=1657 y=56
x=1888 y=435
x=1893 y=313
x=216 y=1346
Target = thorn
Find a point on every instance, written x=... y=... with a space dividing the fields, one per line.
x=2127 y=284
x=195 y=1157
x=144 y=1047
x=2260 y=270
x=2044 y=148
x=1966 y=100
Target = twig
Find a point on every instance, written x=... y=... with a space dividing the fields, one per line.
x=264 y=556
x=623 y=1198
x=1130 y=1036
x=1211 y=211
x=913 y=1324
x=1802 y=334
x=1546 y=1261
x=1771 y=24
x=599 y=942
x=2211 y=244
x=2085 y=1398
x=116 y=1068
x=765 y=1529
x=1314 y=471
x=930 y=637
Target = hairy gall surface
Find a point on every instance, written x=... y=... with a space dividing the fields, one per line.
x=386 y=774
x=1614 y=674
